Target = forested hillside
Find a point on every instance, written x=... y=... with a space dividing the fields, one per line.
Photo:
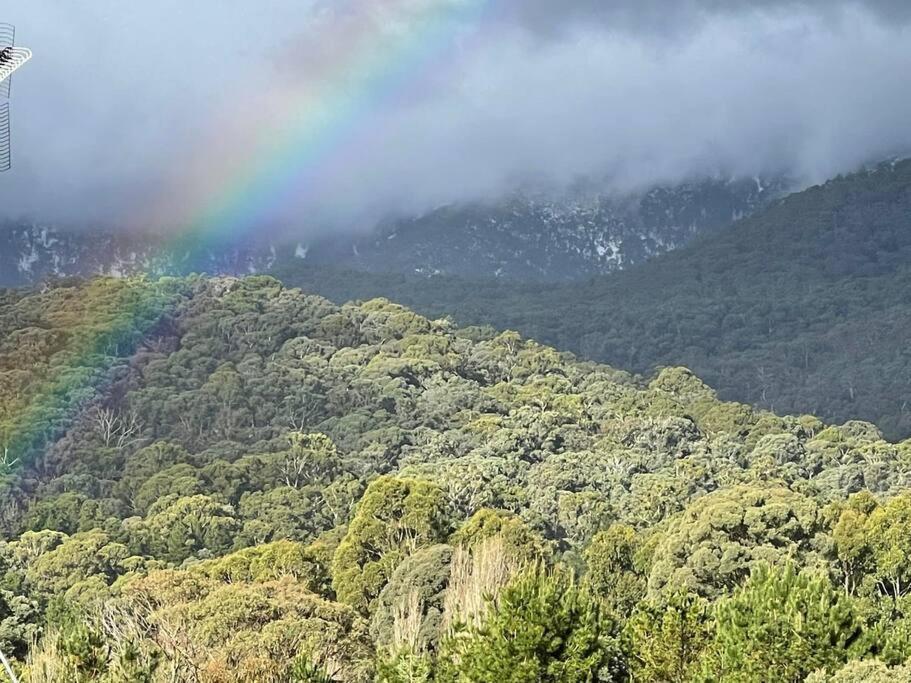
x=216 y=480
x=803 y=307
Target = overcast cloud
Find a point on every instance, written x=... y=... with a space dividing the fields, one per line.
x=115 y=117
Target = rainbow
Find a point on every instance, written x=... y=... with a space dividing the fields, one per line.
x=307 y=129
x=304 y=132
x=116 y=317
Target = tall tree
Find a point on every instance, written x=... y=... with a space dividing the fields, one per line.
x=394 y=518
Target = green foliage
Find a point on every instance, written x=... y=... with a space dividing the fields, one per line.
x=18 y=623
x=52 y=563
x=852 y=542
x=420 y=583
x=866 y=671
x=269 y=562
x=782 y=625
x=305 y=671
x=311 y=458
x=715 y=543
x=251 y=479
x=666 y=638
x=873 y=546
x=894 y=627
x=247 y=631
x=541 y=628
x=889 y=532
x=393 y=519
x=612 y=573
x=405 y=667
x=85 y=648
x=521 y=542
x=181 y=527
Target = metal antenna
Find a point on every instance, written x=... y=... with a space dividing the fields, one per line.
x=7 y=40
x=6 y=147
x=11 y=58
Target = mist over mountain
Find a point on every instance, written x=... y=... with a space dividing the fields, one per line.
x=798 y=306
x=140 y=132
x=523 y=237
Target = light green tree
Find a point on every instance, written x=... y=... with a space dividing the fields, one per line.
x=888 y=529
x=666 y=637
x=394 y=518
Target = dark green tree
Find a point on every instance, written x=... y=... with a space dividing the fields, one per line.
x=782 y=625
x=543 y=627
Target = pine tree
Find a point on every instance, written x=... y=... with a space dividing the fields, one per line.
x=782 y=625
x=542 y=628
x=667 y=637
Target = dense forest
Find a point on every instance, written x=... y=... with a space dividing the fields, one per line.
x=801 y=308
x=213 y=479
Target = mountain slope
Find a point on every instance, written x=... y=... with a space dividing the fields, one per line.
x=541 y=238
x=523 y=238
x=30 y=254
x=223 y=480
x=803 y=307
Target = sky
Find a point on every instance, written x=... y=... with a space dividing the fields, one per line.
x=145 y=115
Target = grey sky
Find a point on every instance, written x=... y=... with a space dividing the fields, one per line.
x=118 y=106
x=671 y=17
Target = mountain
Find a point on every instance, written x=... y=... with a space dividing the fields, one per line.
x=30 y=254
x=525 y=237
x=530 y=237
x=803 y=307
x=220 y=479
x=800 y=307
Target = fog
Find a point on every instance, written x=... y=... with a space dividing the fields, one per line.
x=144 y=115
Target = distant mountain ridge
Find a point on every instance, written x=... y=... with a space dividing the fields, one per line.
x=525 y=237
x=803 y=307
x=540 y=238
x=31 y=253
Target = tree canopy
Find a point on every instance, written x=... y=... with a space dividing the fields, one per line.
x=214 y=479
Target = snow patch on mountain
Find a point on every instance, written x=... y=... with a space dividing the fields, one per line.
x=526 y=236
